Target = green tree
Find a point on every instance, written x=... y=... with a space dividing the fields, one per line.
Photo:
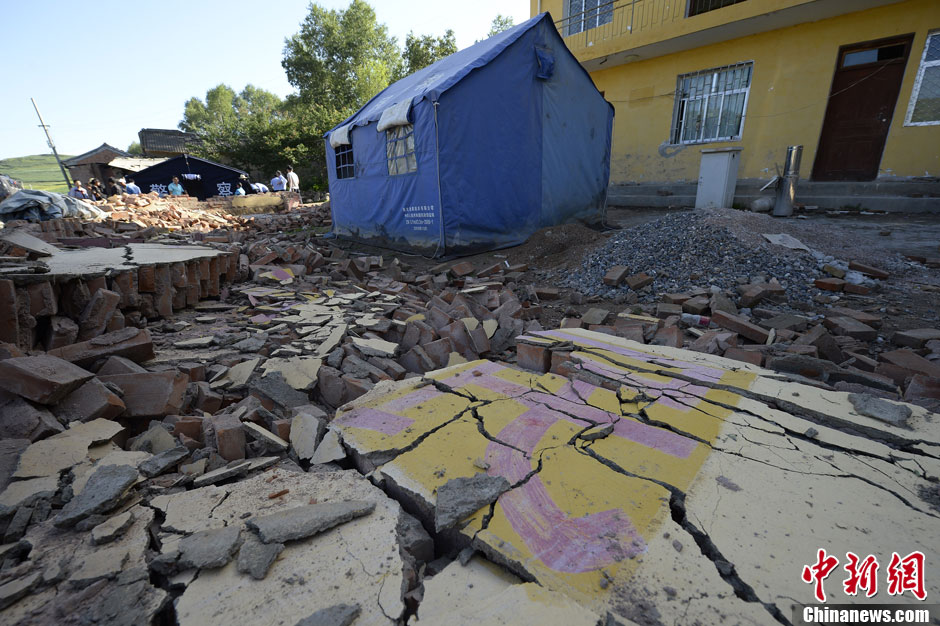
x=340 y=59
x=135 y=149
x=422 y=51
x=237 y=128
x=500 y=23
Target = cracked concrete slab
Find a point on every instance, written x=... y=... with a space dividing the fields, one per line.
x=363 y=552
x=482 y=594
x=655 y=484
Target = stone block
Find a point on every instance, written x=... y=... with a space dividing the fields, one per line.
x=132 y=343
x=9 y=322
x=90 y=401
x=151 y=394
x=639 y=281
x=533 y=357
x=616 y=275
x=44 y=379
x=94 y=319
x=61 y=331
x=741 y=326
x=829 y=284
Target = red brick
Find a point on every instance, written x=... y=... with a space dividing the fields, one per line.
x=191 y=426
x=864 y=317
x=42 y=299
x=850 y=328
x=132 y=343
x=439 y=351
x=830 y=284
x=90 y=401
x=464 y=268
x=824 y=342
x=152 y=394
x=910 y=361
x=97 y=314
x=416 y=360
x=677 y=298
x=460 y=338
x=61 y=331
x=489 y=271
x=356 y=387
x=668 y=336
x=546 y=293
x=638 y=281
x=44 y=379
x=748 y=356
x=915 y=338
x=741 y=326
x=228 y=436
x=163 y=297
x=922 y=388
x=331 y=386
x=805 y=350
x=868 y=270
x=664 y=310
x=125 y=283
x=536 y=358
x=616 y=275
x=9 y=323
x=281 y=428
x=860 y=290
x=571 y=322
x=696 y=306
x=205 y=399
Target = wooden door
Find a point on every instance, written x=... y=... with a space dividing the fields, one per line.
x=861 y=103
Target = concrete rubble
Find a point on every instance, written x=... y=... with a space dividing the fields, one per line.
x=234 y=423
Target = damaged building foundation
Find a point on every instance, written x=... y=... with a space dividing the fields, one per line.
x=260 y=426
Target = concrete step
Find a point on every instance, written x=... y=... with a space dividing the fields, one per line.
x=890 y=196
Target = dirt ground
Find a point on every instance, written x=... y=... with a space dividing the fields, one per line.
x=909 y=299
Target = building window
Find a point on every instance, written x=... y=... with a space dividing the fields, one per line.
x=583 y=15
x=400 y=150
x=924 y=109
x=697 y=7
x=710 y=105
x=345 y=167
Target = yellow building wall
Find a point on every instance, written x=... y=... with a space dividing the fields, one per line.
x=792 y=76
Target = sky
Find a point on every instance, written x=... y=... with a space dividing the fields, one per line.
x=100 y=71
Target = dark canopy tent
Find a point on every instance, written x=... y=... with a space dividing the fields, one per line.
x=476 y=151
x=200 y=177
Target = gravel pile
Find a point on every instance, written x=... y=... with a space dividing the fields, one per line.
x=684 y=251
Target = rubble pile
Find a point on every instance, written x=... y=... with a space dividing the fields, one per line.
x=253 y=424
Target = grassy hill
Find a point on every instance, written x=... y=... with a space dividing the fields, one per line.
x=38 y=171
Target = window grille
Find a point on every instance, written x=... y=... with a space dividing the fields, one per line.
x=697 y=7
x=924 y=109
x=583 y=15
x=711 y=104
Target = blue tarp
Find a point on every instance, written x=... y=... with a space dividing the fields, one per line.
x=510 y=135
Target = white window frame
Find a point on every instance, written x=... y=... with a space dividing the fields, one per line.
x=407 y=161
x=580 y=18
x=915 y=93
x=676 y=130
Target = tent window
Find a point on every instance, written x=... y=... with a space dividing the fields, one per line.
x=400 y=150
x=345 y=167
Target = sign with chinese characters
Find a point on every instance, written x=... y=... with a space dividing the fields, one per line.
x=225 y=189
x=902 y=574
x=419 y=217
x=160 y=189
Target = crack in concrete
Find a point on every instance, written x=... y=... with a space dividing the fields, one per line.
x=707 y=547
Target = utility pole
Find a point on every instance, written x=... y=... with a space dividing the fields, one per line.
x=45 y=127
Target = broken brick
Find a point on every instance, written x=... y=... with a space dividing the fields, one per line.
x=830 y=284
x=152 y=394
x=616 y=275
x=639 y=281
x=92 y=400
x=132 y=343
x=741 y=326
x=533 y=357
x=44 y=379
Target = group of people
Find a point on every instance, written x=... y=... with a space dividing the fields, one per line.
x=96 y=190
x=279 y=183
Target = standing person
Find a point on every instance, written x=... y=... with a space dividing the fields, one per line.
x=114 y=188
x=278 y=183
x=175 y=188
x=77 y=191
x=293 y=182
x=132 y=188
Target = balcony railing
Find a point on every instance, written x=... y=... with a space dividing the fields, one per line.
x=603 y=20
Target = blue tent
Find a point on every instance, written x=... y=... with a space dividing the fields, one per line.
x=200 y=178
x=475 y=152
